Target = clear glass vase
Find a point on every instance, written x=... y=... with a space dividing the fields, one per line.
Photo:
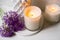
x=21 y=5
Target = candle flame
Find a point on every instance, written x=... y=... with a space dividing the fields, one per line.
x=31 y=15
x=52 y=9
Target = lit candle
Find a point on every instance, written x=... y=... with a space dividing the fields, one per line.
x=33 y=18
x=52 y=12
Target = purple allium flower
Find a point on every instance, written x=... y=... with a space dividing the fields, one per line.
x=6 y=32
x=13 y=20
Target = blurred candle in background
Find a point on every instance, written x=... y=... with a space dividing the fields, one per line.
x=43 y=3
x=33 y=18
x=52 y=12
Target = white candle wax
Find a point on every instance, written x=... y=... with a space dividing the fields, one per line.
x=33 y=18
x=52 y=12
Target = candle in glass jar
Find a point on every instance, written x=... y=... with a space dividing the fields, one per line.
x=33 y=18
x=52 y=12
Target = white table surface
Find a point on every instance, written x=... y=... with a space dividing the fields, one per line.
x=48 y=33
